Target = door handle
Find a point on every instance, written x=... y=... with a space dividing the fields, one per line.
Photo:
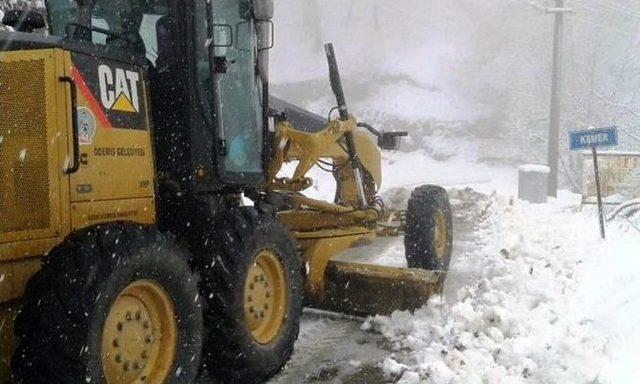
x=74 y=122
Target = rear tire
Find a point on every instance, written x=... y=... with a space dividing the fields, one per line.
x=85 y=285
x=246 y=340
x=429 y=231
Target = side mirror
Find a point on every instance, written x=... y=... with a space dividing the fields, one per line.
x=265 y=34
x=24 y=20
x=263 y=10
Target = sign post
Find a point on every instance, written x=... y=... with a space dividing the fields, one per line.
x=594 y=138
x=598 y=193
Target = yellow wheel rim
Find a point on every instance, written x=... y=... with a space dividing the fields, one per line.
x=139 y=337
x=265 y=297
x=440 y=234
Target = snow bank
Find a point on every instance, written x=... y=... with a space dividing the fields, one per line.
x=549 y=303
x=403 y=171
x=411 y=169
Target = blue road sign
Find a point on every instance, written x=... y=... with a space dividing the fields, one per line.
x=593 y=138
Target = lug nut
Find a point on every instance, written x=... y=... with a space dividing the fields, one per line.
x=119 y=326
x=118 y=359
x=115 y=343
x=128 y=316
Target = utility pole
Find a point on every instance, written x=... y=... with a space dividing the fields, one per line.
x=556 y=86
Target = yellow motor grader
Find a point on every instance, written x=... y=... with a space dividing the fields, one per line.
x=131 y=132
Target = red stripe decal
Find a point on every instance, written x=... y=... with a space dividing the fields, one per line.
x=93 y=103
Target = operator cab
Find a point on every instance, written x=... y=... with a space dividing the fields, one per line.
x=206 y=83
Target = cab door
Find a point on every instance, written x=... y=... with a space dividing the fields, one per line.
x=239 y=92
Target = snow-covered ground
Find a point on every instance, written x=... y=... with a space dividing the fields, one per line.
x=545 y=301
x=533 y=296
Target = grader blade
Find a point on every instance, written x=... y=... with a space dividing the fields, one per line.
x=367 y=289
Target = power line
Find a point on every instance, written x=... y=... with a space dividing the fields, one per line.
x=631 y=135
x=607 y=26
x=620 y=8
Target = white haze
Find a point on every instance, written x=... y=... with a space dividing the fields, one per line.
x=499 y=46
x=408 y=63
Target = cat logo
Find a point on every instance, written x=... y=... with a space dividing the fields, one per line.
x=119 y=89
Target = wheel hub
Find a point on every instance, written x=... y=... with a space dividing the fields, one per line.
x=265 y=293
x=440 y=234
x=140 y=335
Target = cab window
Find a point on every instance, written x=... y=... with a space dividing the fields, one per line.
x=239 y=89
x=61 y=13
x=129 y=25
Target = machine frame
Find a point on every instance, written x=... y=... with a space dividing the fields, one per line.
x=128 y=144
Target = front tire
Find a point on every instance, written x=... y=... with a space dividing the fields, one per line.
x=429 y=231
x=116 y=303
x=253 y=285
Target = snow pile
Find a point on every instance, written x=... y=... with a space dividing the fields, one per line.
x=403 y=171
x=411 y=169
x=549 y=302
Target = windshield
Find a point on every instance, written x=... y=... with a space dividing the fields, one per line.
x=124 y=24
